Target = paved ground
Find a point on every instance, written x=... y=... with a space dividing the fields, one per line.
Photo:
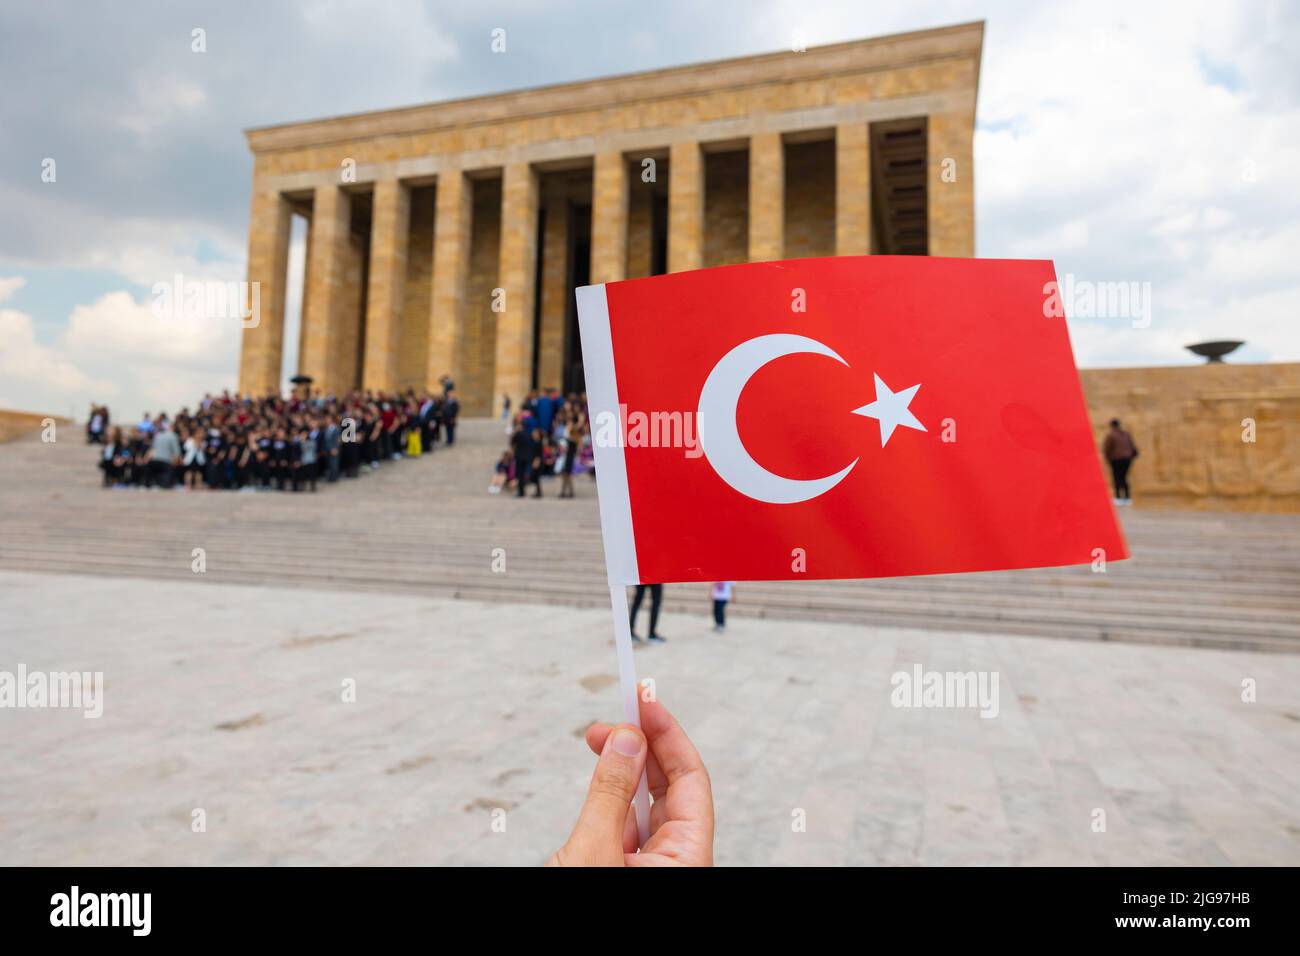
x=228 y=698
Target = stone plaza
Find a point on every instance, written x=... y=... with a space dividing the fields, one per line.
x=224 y=691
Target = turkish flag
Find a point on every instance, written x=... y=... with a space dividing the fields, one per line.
x=865 y=416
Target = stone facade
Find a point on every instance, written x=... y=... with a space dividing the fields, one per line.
x=448 y=238
x=1192 y=426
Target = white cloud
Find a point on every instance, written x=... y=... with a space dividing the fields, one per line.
x=116 y=326
x=115 y=349
x=1106 y=144
x=35 y=377
x=9 y=285
x=161 y=100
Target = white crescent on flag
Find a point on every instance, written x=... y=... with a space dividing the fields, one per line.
x=716 y=422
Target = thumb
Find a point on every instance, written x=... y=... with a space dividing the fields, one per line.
x=598 y=836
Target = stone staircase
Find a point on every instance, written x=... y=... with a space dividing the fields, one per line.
x=429 y=527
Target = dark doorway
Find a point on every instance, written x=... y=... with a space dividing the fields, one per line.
x=899 y=200
x=358 y=272
x=579 y=275
x=659 y=234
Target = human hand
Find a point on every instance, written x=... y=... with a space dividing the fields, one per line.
x=681 y=817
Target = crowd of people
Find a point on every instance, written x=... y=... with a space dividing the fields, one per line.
x=550 y=436
x=283 y=443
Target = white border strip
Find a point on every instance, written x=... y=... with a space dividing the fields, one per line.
x=611 y=466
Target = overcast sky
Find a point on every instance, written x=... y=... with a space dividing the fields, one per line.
x=1131 y=142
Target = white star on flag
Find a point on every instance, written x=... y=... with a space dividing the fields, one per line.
x=890 y=409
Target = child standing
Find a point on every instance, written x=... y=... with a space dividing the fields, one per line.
x=414 y=441
x=722 y=591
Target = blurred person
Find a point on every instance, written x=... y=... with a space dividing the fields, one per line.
x=95 y=425
x=193 y=460
x=425 y=416
x=1120 y=451
x=414 y=442
x=164 y=455
x=527 y=454
x=330 y=449
x=305 y=464
x=450 y=413
x=500 y=474
x=243 y=455
x=722 y=593
x=572 y=441
x=390 y=416
x=656 y=599
x=280 y=463
x=113 y=458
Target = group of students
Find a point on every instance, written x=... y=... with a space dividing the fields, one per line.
x=244 y=443
x=550 y=435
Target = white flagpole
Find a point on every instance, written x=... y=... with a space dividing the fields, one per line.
x=615 y=506
x=631 y=700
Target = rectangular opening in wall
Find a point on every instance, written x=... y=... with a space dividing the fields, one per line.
x=726 y=207
x=647 y=215
x=478 y=346
x=573 y=378
x=899 y=199
x=563 y=264
x=810 y=194
x=413 y=357
x=356 y=279
x=659 y=233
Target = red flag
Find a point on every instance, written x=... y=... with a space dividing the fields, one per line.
x=864 y=416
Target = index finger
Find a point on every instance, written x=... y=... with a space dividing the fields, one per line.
x=672 y=749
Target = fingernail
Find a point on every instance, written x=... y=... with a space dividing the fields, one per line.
x=627 y=742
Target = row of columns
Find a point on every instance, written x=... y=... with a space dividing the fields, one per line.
x=325 y=338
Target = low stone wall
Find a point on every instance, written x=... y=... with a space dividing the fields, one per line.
x=27 y=424
x=1190 y=426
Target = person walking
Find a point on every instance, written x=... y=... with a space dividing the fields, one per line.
x=722 y=592
x=656 y=599
x=1120 y=451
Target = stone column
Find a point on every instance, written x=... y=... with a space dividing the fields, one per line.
x=609 y=218
x=389 y=235
x=555 y=289
x=852 y=189
x=685 y=207
x=261 y=349
x=950 y=183
x=516 y=275
x=325 y=297
x=766 y=197
x=453 y=220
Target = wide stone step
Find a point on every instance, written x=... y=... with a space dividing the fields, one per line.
x=428 y=527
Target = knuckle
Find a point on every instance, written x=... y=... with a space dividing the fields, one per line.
x=613 y=783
